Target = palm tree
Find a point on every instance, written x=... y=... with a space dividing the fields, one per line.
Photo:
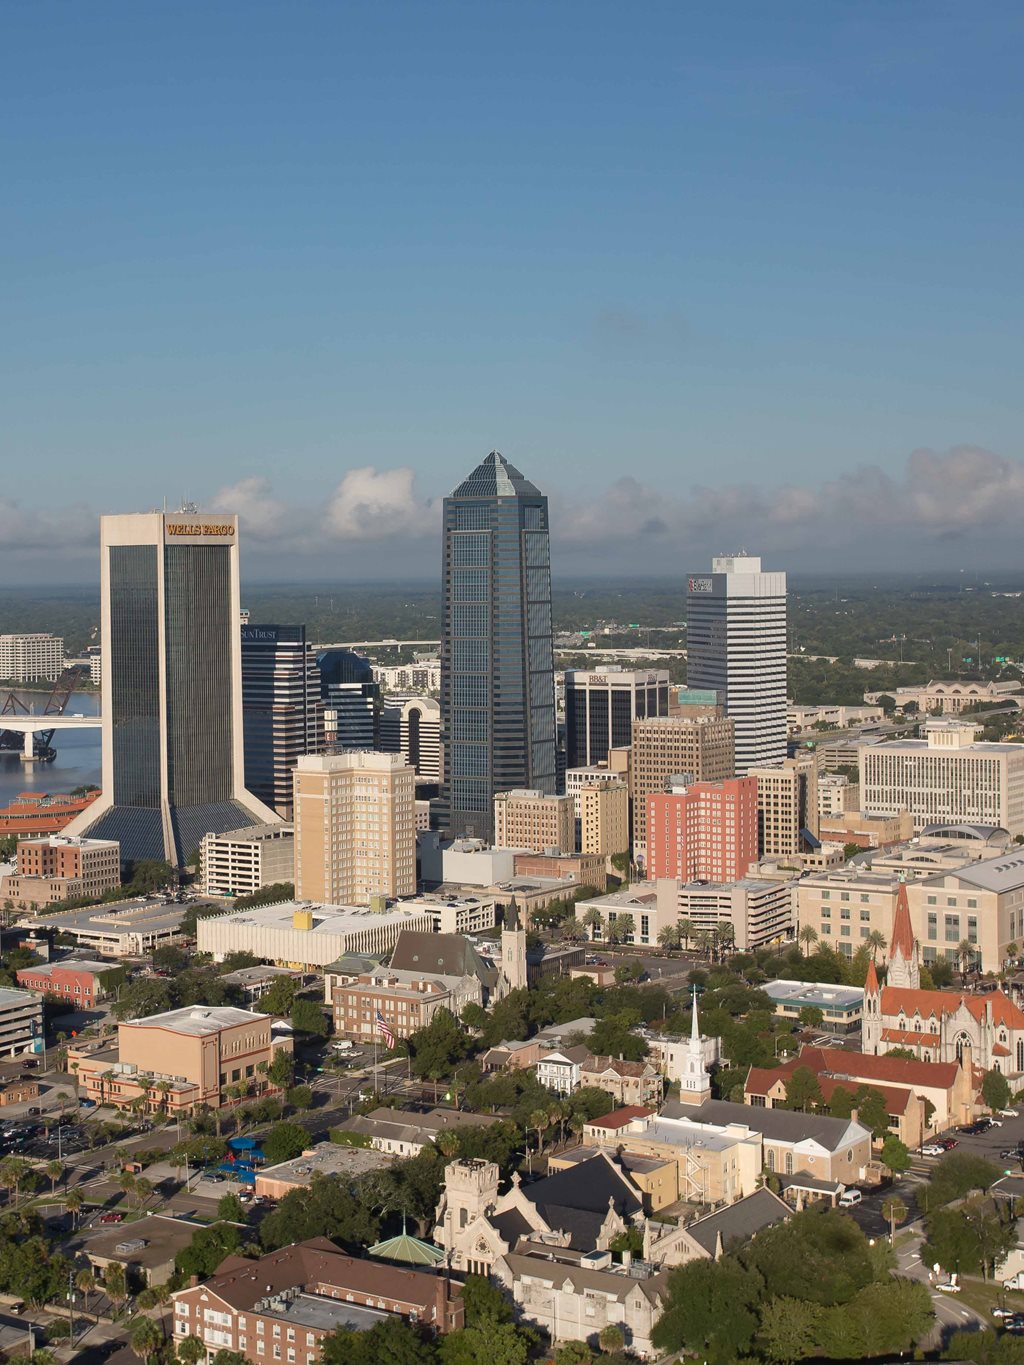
x=685 y=928
x=126 y=1183
x=808 y=936
x=1011 y=950
x=13 y=1170
x=73 y=1201
x=611 y=1338
x=143 y=1189
x=54 y=1172
x=726 y=936
x=538 y=1121
x=702 y=940
x=85 y=1283
x=191 y=1351
x=145 y=1337
x=893 y=1211
x=965 y=951
x=668 y=937
x=592 y=920
x=447 y=1143
x=41 y=1356
x=626 y=925
x=115 y=1283
x=876 y=942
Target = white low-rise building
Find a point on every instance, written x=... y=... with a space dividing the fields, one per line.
x=946 y=776
x=306 y=935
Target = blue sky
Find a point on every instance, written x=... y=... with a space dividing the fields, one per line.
x=705 y=273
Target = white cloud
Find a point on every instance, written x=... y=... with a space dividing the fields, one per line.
x=261 y=515
x=29 y=529
x=372 y=504
x=940 y=494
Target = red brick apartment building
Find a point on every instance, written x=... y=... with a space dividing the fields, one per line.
x=703 y=832
x=278 y=1309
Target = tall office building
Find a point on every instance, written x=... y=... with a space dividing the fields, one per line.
x=351 y=698
x=600 y=709
x=736 y=645
x=282 y=714
x=411 y=726
x=497 y=675
x=173 y=764
x=355 y=828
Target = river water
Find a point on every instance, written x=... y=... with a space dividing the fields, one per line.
x=78 y=760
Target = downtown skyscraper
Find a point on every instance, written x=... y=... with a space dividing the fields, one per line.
x=497 y=671
x=736 y=646
x=173 y=760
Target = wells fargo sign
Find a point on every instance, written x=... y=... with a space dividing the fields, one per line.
x=200 y=528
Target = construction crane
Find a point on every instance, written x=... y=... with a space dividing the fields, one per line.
x=56 y=705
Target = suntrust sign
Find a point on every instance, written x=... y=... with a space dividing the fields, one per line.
x=701 y=585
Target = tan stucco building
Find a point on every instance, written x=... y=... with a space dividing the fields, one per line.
x=178 y=1060
x=526 y=818
x=355 y=827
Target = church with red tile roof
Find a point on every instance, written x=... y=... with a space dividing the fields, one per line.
x=937 y=1026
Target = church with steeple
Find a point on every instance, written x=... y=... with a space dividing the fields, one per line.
x=938 y=1026
x=513 y=950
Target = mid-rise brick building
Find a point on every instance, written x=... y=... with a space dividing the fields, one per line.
x=81 y=981
x=280 y=1307
x=355 y=827
x=703 y=831
x=667 y=746
x=59 y=867
x=527 y=817
x=404 y=1000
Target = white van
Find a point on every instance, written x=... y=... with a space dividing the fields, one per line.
x=850 y=1197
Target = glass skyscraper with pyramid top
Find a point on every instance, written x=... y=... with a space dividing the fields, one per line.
x=497 y=674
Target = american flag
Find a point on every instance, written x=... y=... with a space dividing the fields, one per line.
x=386 y=1029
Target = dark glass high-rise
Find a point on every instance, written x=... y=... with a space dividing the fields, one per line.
x=173 y=767
x=497 y=674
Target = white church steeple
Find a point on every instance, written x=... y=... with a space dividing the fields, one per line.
x=695 y=1082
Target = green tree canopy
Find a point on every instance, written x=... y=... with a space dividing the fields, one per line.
x=995 y=1090
x=284 y=1142
x=326 y=1209
x=439 y=1047
x=819 y=1256
x=709 y=1311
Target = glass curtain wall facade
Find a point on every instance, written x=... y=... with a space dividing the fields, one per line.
x=497 y=675
x=600 y=709
x=172 y=721
x=282 y=715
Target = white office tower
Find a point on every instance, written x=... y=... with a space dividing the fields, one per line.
x=736 y=644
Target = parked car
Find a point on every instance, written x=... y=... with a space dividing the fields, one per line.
x=989 y=1122
x=972 y=1129
x=1005 y=1313
x=1009 y=1113
x=947 y=1144
x=950 y=1288
x=1011 y=1154
x=112 y=1218
x=932 y=1149
x=850 y=1197
x=215 y=1179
